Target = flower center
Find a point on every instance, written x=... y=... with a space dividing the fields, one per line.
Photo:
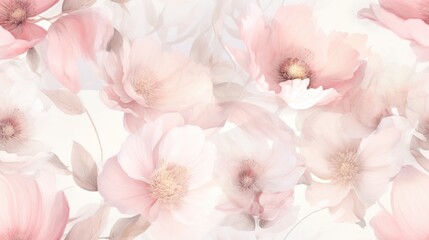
x=18 y=16
x=143 y=88
x=15 y=12
x=247 y=176
x=144 y=84
x=169 y=183
x=294 y=68
x=346 y=165
x=9 y=129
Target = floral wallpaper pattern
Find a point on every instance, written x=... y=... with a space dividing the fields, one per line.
x=214 y=119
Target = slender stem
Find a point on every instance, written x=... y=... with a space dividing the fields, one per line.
x=49 y=19
x=96 y=133
x=300 y=221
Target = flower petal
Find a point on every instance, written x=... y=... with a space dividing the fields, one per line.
x=138 y=156
x=386 y=228
x=28 y=31
x=375 y=150
x=327 y=194
x=121 y=191
x=410 y=202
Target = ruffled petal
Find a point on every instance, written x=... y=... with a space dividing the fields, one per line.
x=139 y=154
x=29 y=32
x=119 y=190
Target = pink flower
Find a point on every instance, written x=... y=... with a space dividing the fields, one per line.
x=407 y=19
x=162 y=172
x=258 y=176
x=21 y=113
x=410 y=208
x=285 y=58
x=31 y=209
x=353 y=172
x=148 y=82
x=17 y=28
x=85 y=33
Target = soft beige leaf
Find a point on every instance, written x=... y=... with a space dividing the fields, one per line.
x=66 y=101
x=56 y=162
x=129 y=228
x=200 y=51
x=73 y=5
x=84 y=168
x=33 y=59
x=90 y=228
x=115 y=42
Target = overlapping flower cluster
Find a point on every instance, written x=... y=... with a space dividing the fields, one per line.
x=230 y=108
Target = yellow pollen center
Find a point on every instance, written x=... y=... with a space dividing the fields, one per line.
x=346 y=165
x=169 y=183
x=297 y=71
x=143 y=88
x=144 y=84
x=293 y=68
x=18 y=16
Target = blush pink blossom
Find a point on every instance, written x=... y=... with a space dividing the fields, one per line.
x=31 y=208
x=258 y=176
x=162 y=172
x=407 y=19
x=147 y=82
x=410 y=208
x=22 y=111
x=285 y=58
x=18 y=30
x=350 y=174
